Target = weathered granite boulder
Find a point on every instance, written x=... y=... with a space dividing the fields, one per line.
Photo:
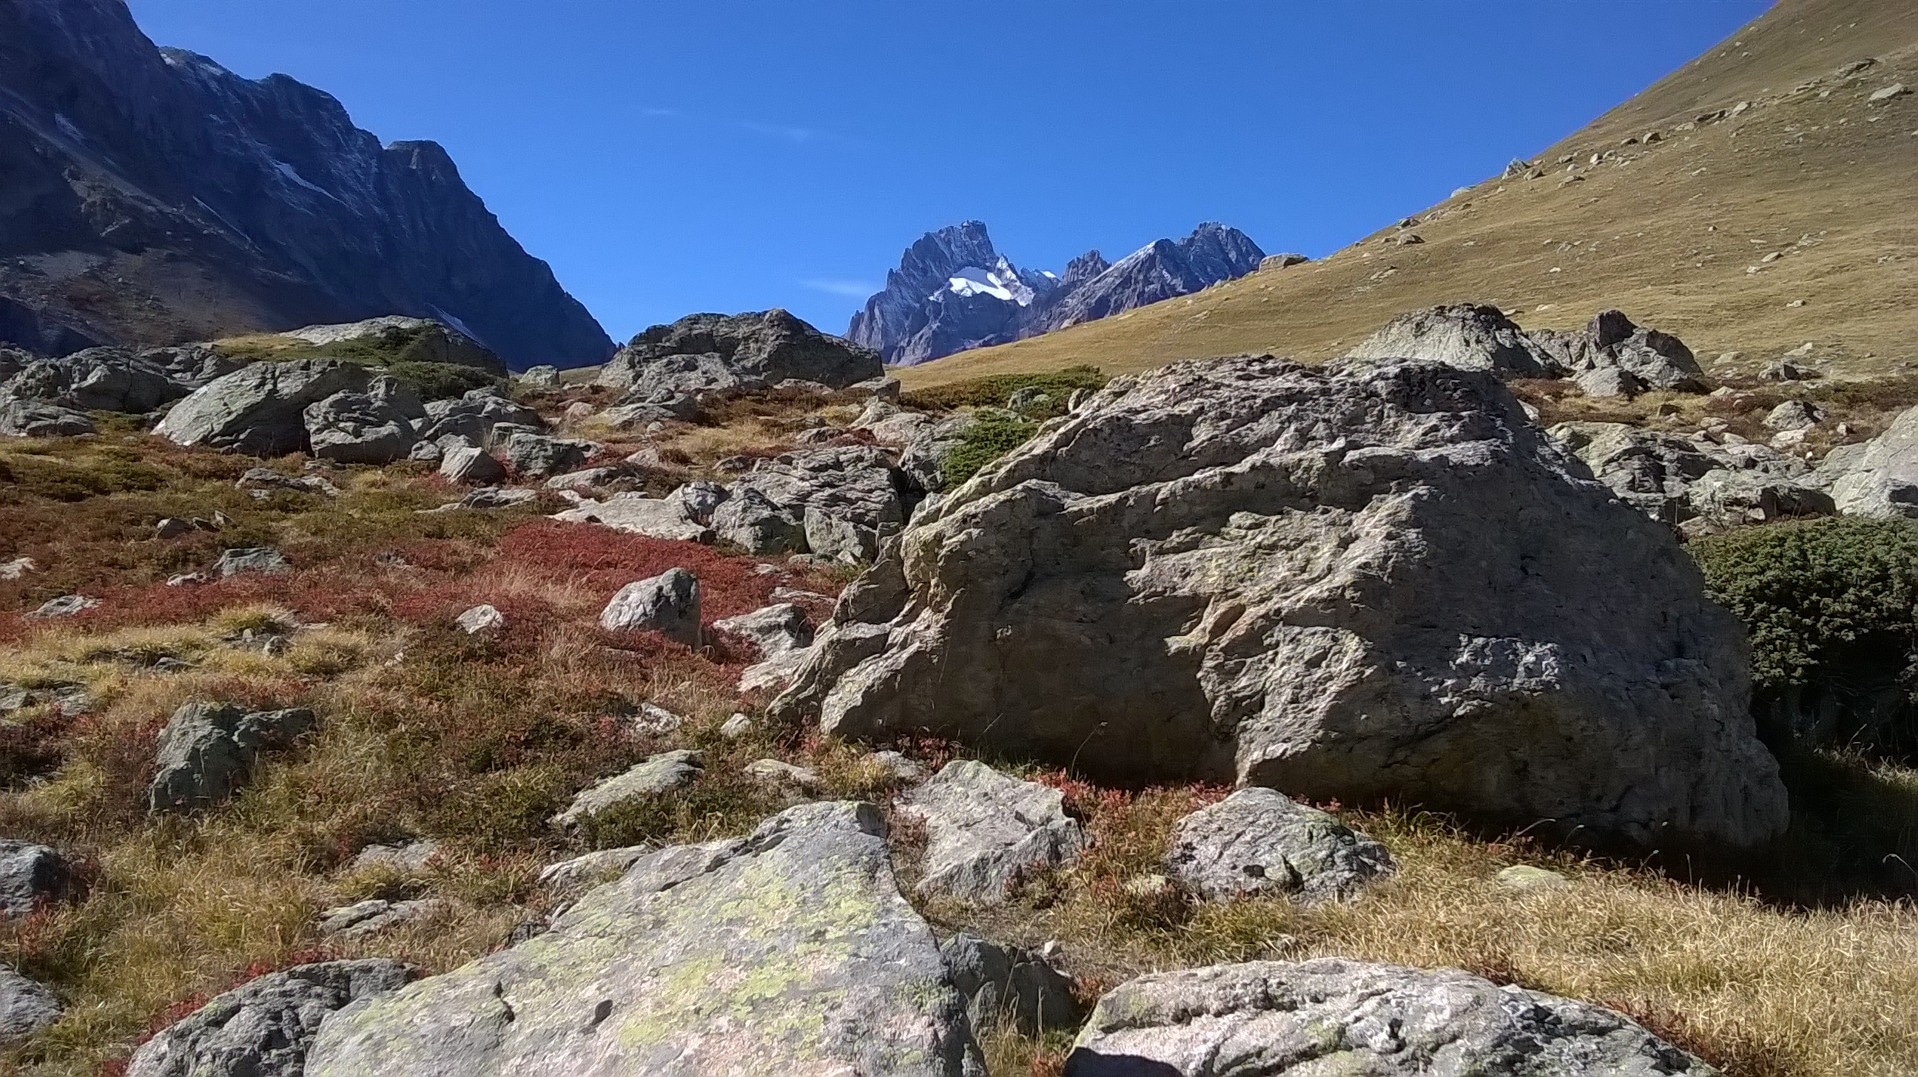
x=1347 y=583
x=264 y=1028
x=735 y=353
x=658 y=774
x=1333 y=1016
x=377 y=426
x=260 y=409
x=1260 y=841
x=31 y=876
x=1694 y=481
x=842 y=501
x=1465 y=335
x=471 y=464
x=207 y=751
x=39 y=419
x=472 y=417
x=786 y=952
x=985 y=829
x=656 y=517
x=363 y=919
x=26 y=1006
x=1001 y=983
x=667 y=603
x=97 y=379
x=536 y=455
x=1880 y=479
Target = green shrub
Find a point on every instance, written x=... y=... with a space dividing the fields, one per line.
x=1832 y=609
x=993 y=434
x=441 y=381
x=995 y=390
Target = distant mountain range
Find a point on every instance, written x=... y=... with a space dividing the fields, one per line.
x=954 y=291
x=151 y=196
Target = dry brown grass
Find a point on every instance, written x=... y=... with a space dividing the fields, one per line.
x=1667 y=237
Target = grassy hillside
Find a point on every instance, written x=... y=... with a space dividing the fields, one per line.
x=1675 y=232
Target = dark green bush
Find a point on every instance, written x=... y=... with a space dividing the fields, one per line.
x=441 y=381
x=1832 y=609
x=994 y=434
x=993 y=391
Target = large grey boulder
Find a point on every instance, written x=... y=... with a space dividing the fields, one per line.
x=471 y=464
x=377 y=426
x=471 y=418
x=1613 y=356
x=208 y=750
x=260 y=409
x=1009 y=983
x=1260 y=841
x=657 y=774
x=40 y=419
x=26 y=1006
x=265 y=1028
x=416 y=340
x=735 y=353
x=1694 y=481
x=1347 y=583
x=1333 y=1016
x=984 y=830
x=786 y=952
x=667 y=603
x=1882 y=478
x=97 y=379
x=1465 y=335
x=538 y=456
x=31 y=876
x=655 y=517
x=838 y=502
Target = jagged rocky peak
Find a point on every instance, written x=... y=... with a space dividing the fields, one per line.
x=954 y=291
x=132 y=167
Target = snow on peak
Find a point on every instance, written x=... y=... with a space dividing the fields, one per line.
x=1000 y=282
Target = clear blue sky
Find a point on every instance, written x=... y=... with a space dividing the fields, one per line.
x=671 y=156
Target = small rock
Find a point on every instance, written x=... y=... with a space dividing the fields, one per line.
x=1010 y=982
x=480 y=619
x=572 y=876
x=1786 y=370
x=66 y=606
x=985 y=829
x=543 y=378
x=661 y=773
x=16 y=568
x=655 y=721
x=1260 y=841
x=1794 y=415
x=255 y=559
x=1524 y=877
x=667 y=603
x=172 y=527
x=30 y=876
x=364 y=918
x=778 y=772
x=409 y=856
x=187 y=579
x=898 y=766
x=26 y=1006
x=207 y=751
x=736 y=727
x=1896 y=89
x=471 y=464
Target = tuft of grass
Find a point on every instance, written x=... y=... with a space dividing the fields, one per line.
x=993 y=391
x=993 y=434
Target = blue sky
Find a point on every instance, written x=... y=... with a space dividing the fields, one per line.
x=670 y=156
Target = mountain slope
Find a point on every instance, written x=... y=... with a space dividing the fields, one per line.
x=1675 y=232
x=953 y=291
x=150 y=196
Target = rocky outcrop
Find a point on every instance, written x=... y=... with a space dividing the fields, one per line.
x=839 y=502
x=156 y=197
x=377 y=426
x=1880 y=479
x=38 y=419
x=1336 y=1016
x=266 y=1027
x=97 y=379
x=718 y=353
x=667 y=604
x=1345 y=583
x=1693 y=482
x=953 y=291
x=207 y=751
x=984 y=830
x=1262 y=842
x=412 y=340
x=1612 y=356
x=789 y=951
x=260 y=409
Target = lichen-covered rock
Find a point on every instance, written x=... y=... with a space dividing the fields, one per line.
x=984 y=830
x=1347 y=583
x=787 y=952
x=667 y=604
x=1333 y=1016
x=374 y=915
x=260 y=409
x=31 y=876
x=1260 y=841
x=207 y=751
x=264 y=1028
x=658 y=774
x=1001 y=983
x=26 y=1006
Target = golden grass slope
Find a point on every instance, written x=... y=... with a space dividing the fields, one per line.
x=1674 y=232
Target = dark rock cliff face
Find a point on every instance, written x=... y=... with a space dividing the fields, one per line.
x=150 y=196
x=953 y=291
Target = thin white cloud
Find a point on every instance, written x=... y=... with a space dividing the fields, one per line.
x=854 y=289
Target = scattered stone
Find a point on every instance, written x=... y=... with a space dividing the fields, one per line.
x=655 y=721
x=1880 y=96
x=661 y=773
x=897 y=766
x=1260 y=841
x=1334 y=1015
x=773 y=630
x=591 y=478
x=265 y=1028
x=1009 y=982
x=492 y=497
x=373 y=916
x=667 y=603
x=480 y=619
x=188 y=579
x=1252 y=488
x=172 y=527
x=16 y=568
x=1794 y=415
x=254 y=559
x=1282 y=261
x=207 y=751
x=780 y=773
x=540 y=456
x=1408 y=239
x=985 y=829
x=471 y=464
x=65 y=606
x=26 y=1006
x=1786 y=370
x=789 y=951
x=736 y=727
x=540 y=378
x=1524 y=877
x=1027 y=399
x=410 y=856
x=662 y=518
x=31 y=876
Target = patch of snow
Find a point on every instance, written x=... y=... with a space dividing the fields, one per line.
x=292 y=175
x=1001 y=282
